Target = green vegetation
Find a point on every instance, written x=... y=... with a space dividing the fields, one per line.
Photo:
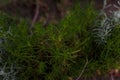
x=57 y=52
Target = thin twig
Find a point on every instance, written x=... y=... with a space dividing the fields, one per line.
x=35 y=16
x=36 y=13
x=83 y=69
x=111 y=77
x=76 y=51
x=104 y=4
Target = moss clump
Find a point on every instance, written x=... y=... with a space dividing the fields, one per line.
x=58 y=52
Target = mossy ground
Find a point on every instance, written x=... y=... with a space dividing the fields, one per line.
x=59 y=52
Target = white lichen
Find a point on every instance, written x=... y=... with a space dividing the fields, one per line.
x=7 y=72
x=105 y=25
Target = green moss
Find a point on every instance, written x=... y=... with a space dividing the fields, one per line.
x=59 y=51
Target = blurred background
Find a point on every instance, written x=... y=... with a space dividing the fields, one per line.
x=45 y=11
